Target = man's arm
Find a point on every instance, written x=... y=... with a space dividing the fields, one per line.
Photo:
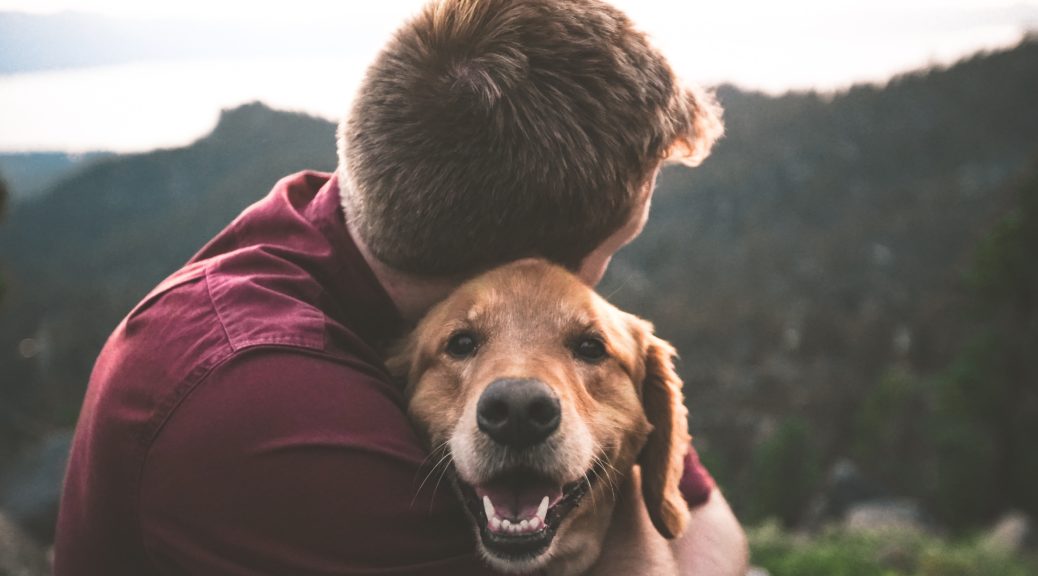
x=713 y=544
x=283 y=463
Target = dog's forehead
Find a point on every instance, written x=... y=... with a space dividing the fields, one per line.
x=525 y=294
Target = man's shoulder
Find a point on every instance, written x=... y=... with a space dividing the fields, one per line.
x=202 y=322
x=215 y=308
x=201 y=316
x=299 y=395
x=259 y=300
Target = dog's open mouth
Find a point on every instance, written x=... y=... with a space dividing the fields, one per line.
x=518 y=512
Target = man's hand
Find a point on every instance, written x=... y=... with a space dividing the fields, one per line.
x=713 y=544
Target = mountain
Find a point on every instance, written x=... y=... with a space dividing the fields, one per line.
x=77 y=256
x=30 y=173
x=818 y=213
x=820 y=249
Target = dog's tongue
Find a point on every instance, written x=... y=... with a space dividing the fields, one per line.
x=519 y=496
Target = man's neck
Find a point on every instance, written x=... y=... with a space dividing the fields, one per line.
x=412 y=294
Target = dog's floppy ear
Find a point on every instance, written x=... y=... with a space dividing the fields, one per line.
x=662 y=458
x=400 y=360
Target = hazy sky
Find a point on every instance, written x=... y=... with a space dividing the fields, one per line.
x=766 y=45
x=760 y=43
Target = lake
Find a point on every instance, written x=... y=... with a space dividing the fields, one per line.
x=140 y=106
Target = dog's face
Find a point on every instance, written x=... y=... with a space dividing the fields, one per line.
x=542 y=396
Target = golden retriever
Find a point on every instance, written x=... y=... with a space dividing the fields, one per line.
x=541 y=397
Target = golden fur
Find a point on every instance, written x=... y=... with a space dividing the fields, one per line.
x=622 y=410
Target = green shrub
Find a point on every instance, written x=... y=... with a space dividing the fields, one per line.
x=890 y=553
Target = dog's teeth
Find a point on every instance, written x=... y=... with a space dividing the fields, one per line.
x=535 y=523
x=524 y=525
x=542 y=510
x=488 y=506
x=506 y=524
x=495 y=524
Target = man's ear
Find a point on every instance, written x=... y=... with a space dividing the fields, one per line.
x=662 y=458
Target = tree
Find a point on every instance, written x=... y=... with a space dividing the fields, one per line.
x=986 y=406
x=785 y=471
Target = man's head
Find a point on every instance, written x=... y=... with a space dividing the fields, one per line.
x=491 y=130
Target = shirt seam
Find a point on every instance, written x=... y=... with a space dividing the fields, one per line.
x=236 y=343
x=216 y=309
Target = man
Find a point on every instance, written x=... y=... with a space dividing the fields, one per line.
x=240 y=420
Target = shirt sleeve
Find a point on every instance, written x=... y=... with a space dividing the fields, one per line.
x=696 y=482
x=284 y=463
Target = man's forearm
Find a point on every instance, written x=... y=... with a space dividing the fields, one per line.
x=714 y=543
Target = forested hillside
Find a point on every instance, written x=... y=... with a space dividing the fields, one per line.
x=78 y=257
x=821 y=250
x=814 y=268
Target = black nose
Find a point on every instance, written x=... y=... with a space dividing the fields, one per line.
x=518 y=413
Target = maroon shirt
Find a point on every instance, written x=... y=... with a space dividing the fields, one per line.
x=240 y=420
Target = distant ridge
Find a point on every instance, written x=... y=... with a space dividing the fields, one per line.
x=30 y=173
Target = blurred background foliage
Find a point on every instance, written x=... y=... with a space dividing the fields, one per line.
x=890 y=553
x=851 y=280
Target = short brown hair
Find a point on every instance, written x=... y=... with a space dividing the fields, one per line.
x=490 y=130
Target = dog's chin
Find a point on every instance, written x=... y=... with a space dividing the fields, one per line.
x=517 y=514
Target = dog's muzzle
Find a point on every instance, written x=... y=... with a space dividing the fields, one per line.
x=519 y=508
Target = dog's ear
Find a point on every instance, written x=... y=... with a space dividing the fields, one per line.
x=662 y=458
x=400 y=360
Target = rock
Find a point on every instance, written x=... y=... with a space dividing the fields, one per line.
x=845 y=487
x=884 y=516
x=1009 y=534
x=19 y=554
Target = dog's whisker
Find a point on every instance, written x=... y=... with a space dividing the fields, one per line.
x=602 y=470
x=440 y=479
x=444 y=461
x=598 y=476
x=620 y=286
x=612 y=473
x=587 y=481
x=432 y=454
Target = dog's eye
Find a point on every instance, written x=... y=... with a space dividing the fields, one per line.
x=462 y=345
x=590 y=349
